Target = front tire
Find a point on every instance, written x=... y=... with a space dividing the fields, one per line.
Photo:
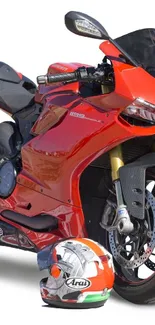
x=129 y=282
x=140 y=294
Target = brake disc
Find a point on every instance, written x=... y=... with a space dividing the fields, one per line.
x=150 y=265
x=137 y=260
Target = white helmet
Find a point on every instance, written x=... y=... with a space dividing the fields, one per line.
x=81 y=274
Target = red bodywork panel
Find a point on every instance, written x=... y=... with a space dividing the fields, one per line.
x=69 y=134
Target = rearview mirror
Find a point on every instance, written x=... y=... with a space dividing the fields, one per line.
x=84 y=25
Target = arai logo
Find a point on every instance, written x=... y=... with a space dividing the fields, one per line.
x=78 y=283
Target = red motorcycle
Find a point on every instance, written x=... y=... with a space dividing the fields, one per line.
x=79 y=161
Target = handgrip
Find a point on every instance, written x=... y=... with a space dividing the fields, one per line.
x=82 y=74
x=70 y=76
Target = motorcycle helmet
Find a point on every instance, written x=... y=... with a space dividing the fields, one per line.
x=81 y=274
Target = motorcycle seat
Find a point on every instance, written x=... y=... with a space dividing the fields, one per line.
x=16 y=92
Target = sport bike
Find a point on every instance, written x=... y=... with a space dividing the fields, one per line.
x=78 y=159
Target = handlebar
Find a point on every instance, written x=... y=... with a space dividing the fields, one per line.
x=81 y=74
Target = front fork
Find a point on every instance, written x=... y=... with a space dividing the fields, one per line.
x=121 y=220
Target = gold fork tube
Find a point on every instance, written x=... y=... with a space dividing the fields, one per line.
x=116 y=160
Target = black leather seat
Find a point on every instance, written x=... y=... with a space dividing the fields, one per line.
x=15 y=93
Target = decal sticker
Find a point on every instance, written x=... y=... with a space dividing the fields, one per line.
x=77 y=283
x=83 y=116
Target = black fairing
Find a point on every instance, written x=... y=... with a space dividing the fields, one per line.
x=29 y=84
x=132 y=178
x=15 y=93
x=140 y=45
x=8 y=74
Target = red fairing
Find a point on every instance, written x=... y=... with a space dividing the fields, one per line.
x=69 y=134
x=60 y=67
x=55 y=69
x=71 y=219
x=131 y=82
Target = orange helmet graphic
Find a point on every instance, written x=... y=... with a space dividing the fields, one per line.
x=81 y=274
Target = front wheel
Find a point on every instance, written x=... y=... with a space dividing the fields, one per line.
x=134 y=257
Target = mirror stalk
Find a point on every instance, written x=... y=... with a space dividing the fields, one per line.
x=126 y=55
x=84 y=25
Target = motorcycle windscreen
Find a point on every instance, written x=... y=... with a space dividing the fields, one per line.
x=140 y=45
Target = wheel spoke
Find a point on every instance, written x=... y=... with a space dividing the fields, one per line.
x=131 y=275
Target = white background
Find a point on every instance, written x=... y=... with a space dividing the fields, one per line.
x=32 y=36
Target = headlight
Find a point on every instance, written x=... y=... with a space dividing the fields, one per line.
x=141 y=109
